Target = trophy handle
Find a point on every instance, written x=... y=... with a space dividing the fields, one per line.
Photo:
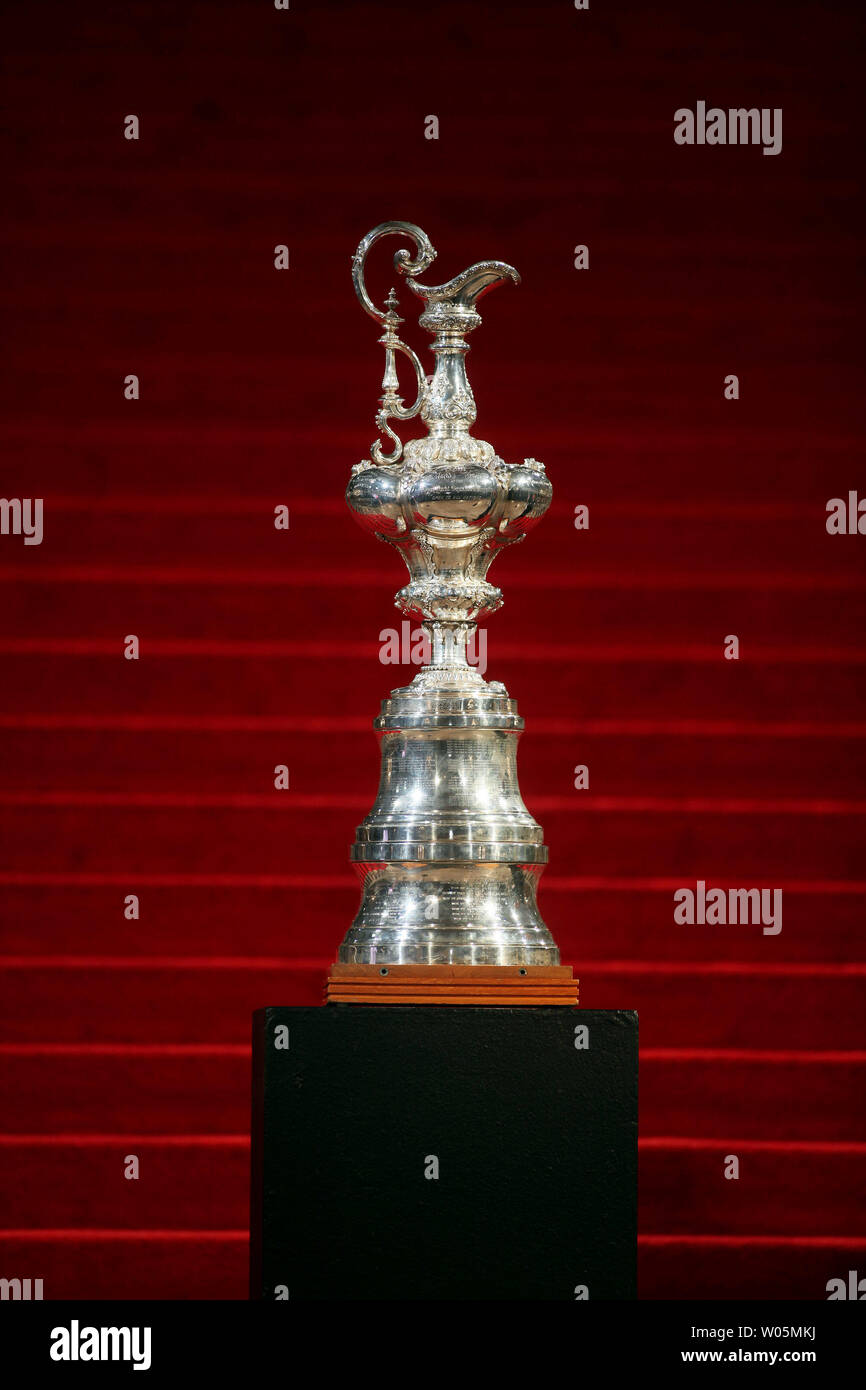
x=391 y=405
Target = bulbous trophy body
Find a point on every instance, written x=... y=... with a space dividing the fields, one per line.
x=449 y=857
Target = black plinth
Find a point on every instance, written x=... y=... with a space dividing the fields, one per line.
x=533 y=1138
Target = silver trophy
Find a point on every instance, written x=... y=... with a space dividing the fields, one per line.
x=449 y=857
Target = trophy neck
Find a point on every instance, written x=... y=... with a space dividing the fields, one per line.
x=448 y=408
x=448 y=643
x=448 y=668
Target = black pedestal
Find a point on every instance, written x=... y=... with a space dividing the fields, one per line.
x=444 y=1153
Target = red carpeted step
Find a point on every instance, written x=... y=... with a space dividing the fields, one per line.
x=151 y=1263
x=745 y=1267
x=169 y=456
x=811 y=763
x=204 y=1089
x=793 y=617
x=645 y=837
x=731 y=1005
x=713 y=542
x=187 y=1181
x=288 y=916
x=197 y=1000
x=190 y=1003
x=161 y=1089
x=755 y=1094
x=198 y=1181
x=822 y=922
x=592 y=919
x=811 y=1188
x=550 y=680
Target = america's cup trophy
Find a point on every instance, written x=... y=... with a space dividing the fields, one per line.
x=449 y=857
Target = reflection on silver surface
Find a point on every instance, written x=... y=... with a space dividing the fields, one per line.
x=449 y=856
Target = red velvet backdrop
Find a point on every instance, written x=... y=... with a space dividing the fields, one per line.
x=259 y=647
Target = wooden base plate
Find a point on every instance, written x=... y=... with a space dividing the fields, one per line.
x=452 y=984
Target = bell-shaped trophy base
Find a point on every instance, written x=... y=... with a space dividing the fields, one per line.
x=449 y=857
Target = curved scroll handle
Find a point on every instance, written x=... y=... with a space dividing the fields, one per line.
x=391 y=405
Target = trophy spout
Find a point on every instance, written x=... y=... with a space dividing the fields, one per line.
x=465 y=290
